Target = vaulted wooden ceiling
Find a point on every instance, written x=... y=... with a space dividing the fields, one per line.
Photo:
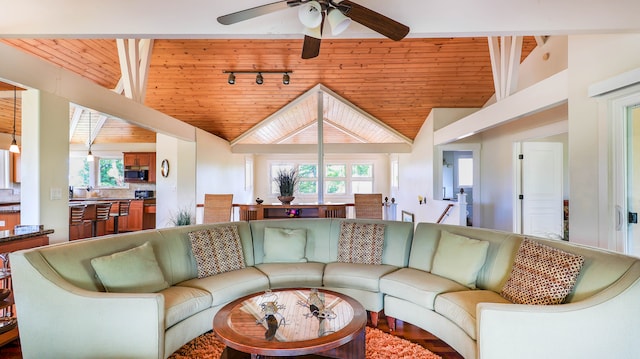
x=397 y=82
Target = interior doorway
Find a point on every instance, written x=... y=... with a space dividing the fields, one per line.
x=633 y=180
x=457 y=167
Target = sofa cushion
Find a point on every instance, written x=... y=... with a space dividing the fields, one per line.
x=282 y=275
x=284 y=245
x=132 y=271
x=417 y=286
x=541 y=274
x=459 y=258
x=182 y=302
x=460 y=307
x=217 y=250
x=355 y=275
x=361 y=242
x=228 y=286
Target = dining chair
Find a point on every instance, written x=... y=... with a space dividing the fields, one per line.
x=217 y=208
x=368 y=205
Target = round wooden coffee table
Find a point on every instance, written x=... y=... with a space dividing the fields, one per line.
x=292 y=322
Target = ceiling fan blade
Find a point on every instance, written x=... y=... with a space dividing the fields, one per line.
x=256 y=11
x=310 y=47
x=373 y=20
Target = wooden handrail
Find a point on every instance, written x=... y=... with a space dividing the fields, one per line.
x=445 y=212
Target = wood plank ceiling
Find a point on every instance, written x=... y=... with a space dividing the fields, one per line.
x=396 y=82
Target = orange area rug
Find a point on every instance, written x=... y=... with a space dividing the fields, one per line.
x=379 y=345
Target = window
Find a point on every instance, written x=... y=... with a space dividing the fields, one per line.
x=336 y=179
x=465 y=172
x=362 y=178
x=111 y=172
x=308 y=179
x=79 y=172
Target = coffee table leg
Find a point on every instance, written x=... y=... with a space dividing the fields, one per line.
x=354 y=349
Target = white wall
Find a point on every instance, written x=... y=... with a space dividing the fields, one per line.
x=178 y=190
x=592 y=59
x=219 y=170
x=497 y=159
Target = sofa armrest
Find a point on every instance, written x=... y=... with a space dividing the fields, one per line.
x=59 y=320
x=603 y=325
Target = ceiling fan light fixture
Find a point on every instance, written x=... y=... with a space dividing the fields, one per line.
x=315 y=32
x=259 y=79
x=286 y=79
x=338 y=21
x=231 y=79
x=310 y=14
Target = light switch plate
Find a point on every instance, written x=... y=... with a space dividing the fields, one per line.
x=56 y=194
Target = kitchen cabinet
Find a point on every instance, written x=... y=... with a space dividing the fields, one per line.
x=15 y=167
x=141 y=161
x=9 y=219
x=137 y=219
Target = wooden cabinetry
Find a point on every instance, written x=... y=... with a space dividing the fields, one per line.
x=9 y=219
x=15 y=167
x=139 y=217
x=141 y=161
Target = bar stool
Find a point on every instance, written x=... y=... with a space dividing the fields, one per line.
x=103 y=212
x=123 y=210
x=76 y=221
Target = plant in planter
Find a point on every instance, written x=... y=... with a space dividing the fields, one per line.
x=286 y=180
x=183 y=217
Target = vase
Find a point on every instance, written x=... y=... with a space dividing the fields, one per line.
x=286 y=199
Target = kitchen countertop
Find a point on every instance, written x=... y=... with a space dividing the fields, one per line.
x=17 y=234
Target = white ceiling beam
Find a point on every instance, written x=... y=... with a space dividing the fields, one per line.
x=505 y=54
x=347 y=132
x=172 y=19
x=75 y=119
x=31 y=72
x=328 y=148
x=541 y=40
x=543 y=95
x=135 y=59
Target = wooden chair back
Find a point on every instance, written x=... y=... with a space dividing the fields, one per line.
x=217 y=208
x=368 y=205
x=123 y=208
x=76 y=215
x=103 y=211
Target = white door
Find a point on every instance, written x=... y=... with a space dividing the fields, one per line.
x=541 y=196
x=633 y=180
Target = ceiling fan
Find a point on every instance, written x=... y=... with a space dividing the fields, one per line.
x=312 y=14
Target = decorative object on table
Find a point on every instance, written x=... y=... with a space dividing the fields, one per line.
x=407 y=216
x=259 y=200
x=292 y=212
x=164 y=168
x=286 y=180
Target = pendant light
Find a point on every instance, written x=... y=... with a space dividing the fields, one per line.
x=90 y=155
x=14 y=145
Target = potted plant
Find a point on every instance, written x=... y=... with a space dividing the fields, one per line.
x=183 y=217
x=286 y=180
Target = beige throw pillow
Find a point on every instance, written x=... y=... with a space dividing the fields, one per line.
x=361 y=243
x=217 y=250
x=541 y=274
x=282 y=245
x=459 y=258
x=132 y=271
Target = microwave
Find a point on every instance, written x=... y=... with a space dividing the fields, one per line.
x=136 y=175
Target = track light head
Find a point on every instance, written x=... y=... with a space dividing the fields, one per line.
x=286 y=79
x=259 y=79
x=231 y=79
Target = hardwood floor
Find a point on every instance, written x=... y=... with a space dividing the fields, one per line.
x=403 y=330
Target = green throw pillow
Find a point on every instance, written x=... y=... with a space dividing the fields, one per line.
x=132 y=271
x=459 y=258
x=284 y=245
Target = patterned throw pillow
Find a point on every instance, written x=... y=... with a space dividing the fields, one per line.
x=361 y=243
x=541 y=274
x=217 y=250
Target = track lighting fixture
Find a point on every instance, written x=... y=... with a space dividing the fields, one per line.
x=286 y=78
x=14 y=145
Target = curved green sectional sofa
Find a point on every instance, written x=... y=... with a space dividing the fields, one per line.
x=64 y=311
